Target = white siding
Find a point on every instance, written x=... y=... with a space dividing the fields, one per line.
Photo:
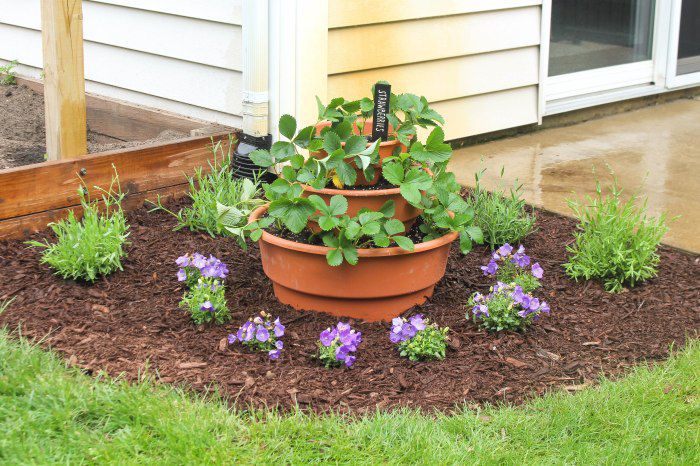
x=180 y=55
x=477 y=61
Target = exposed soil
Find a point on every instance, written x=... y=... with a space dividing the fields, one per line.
x=130 y=321
x=22 y=130
x=380 y=184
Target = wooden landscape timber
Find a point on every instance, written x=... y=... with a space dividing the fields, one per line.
x=34 y=195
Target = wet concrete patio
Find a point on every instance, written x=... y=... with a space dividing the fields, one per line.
x=654 y=150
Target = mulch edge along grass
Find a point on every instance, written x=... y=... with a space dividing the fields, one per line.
x=50 y=412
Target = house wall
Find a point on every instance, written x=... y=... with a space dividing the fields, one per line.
x=182 y=56
x=476 y=61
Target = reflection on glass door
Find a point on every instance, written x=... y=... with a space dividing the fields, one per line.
x=592 y=34
x=689 y=38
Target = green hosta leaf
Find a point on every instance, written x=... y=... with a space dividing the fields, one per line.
x=338 y=205
x=388 y=208
x=262 y=158
x=394 y=226
x=393 y=172
x=355 y=145
x=403 y=242
x=294 y=213
x=287 y=126
x=331 y=142
x=334 y=257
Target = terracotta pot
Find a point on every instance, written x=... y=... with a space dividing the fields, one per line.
x=384 y=283
x=386 y=149
x=370 y=198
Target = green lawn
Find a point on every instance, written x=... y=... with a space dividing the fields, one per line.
x=51 y=414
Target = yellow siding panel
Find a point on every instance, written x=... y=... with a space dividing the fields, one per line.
x=488 y=112
x=388 y=44
x=448 y=78
x=344 y=13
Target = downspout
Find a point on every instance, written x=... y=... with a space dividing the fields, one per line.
x=255 y=86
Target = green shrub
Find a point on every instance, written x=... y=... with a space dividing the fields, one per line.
x=502 y=217
x=93 y=246
x=616 y=242
x=219 y=186
x=7 y=74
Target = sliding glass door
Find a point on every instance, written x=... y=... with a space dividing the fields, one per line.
x=684 y=60
x=597 y=45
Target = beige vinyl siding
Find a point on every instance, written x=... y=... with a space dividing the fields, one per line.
x=476 y=61
x=146 y=52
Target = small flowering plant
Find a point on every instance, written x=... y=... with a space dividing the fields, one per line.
x=418 y=339
x=336 y=344
x=261 y=334
x=194 y=266
x=509 y=265
x=205 y=297
x=506 y=307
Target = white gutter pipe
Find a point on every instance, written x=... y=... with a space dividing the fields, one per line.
x=255 y=68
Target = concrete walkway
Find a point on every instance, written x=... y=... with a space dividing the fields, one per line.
x=655 y=150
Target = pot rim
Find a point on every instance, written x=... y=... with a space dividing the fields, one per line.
x=363 y=252
x=390 y=142
x=357 y=192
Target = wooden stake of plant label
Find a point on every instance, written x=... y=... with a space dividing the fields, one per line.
x=64 y=80
x=380 y=125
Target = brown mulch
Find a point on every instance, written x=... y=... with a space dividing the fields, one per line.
x=131 y=321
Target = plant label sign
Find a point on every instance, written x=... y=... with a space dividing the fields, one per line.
x=380 y=125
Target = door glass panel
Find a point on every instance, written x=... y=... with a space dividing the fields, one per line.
x=589 y=34
x=689 y=38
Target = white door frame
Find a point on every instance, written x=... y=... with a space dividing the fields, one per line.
x=673 y=80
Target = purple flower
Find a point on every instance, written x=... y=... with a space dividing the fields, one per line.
x=232 y=338
x=183 y=261
x=279 y=344
x=249 y=330
x=537 y=271
x=544 y=307
x=262 y=334
x=274 y=354
x=395 y=337
x=534 y=304
x=327 y=337
x=181 y=275
x=505 y=250
x=418 y=322
x=408 y=331
x=207 y=306
x=521 y=260
x=491 y=268
x=480 y=309
x=198 y=260
x=279 y=328
x=349 y=360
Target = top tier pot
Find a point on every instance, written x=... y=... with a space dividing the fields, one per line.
x=384 y=283
x=386 y=149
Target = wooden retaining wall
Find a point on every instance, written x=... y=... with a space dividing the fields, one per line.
x=34 y=195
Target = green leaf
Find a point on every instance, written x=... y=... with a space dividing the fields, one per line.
x=475 y=234
x=338 y=205
x=346 y=173
x=229 y=216
x=364 y=162
x=405 y=133
x=304 y=136
x=262 y=158
x=381 y=240
x=388 y=208
x=350 y=254
x=334 y=257
x=343 y=130
x=355 y=145
x=287 y=126
x=282 y=150
x=366 y=105
x=465 y=242
x=366 y=216
x=318 y=202
x=331 y=142
x=371 y=228
x=393 y=172
x=403 y=242
x=352 y=230
x=328 y=223
x=411 y=193
x=394 y=226
x=294 y=213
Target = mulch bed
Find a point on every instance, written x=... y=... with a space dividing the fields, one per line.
x=131 y=321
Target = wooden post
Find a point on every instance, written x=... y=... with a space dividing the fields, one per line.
x=64 y=80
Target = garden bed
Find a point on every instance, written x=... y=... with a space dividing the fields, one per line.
x=130 y=322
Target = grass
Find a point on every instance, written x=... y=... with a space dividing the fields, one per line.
x=51 y=414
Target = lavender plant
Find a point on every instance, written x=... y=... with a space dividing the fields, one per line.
x=513 y=266
x=506 y=307
x=418 y=339
x=261 y=333
x=205 y=297
x=336 y=344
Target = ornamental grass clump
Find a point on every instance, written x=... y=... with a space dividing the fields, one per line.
x=418 y=339
x=501 y=215
x=209 y=191
x=506 y=307
x=336 y=344
x=261 y=333
x=616 y=242
x=509 y=265
x=205 y=297
x=93 y=246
